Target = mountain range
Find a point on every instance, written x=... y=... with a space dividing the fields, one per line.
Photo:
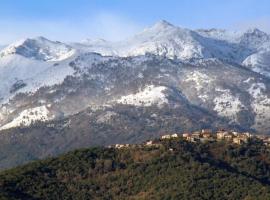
x=56 y=97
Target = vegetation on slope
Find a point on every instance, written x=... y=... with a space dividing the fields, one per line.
x=174 y=169
x=129 y=124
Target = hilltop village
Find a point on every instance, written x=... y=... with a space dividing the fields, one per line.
x=207 y=135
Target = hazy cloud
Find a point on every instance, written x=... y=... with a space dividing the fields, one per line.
x=112 y=27
x=102 y=25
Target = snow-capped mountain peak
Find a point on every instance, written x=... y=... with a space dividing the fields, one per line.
x=254 y=38
x=221 y=34
x=39 y=48
x=165 y=39
x=162 y=24
x=256 y=32
x=162 y=39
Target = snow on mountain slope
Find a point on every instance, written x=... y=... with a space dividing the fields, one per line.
x=255 y=39
x=215 y=87
x=19 y=87
x=39 y=48
x=148 y=96
x=259 y=62
x=261 y=104
x=14 y=68
x=221 y=34
x=30 y=64
x=21 y=74
x=161 y=39
x=29 y=116
x=165 y=39
x=227 y=105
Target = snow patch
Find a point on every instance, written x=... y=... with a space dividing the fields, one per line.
x=199 y=78
x=260 y=105
x=105 y=117
x=201 y=83
x=29 y=116
x=39 y=48
x=33 y=74
x=259 y=62
x=227 y=105
x=150 y=95
x=140 y=75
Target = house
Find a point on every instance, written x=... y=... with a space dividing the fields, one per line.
x=228 y=137
x=244 y=137
x=237 y=140
x=185 y=135
x=247 y=134
x=207 y=134
x=188 y=138
x=235 y=133
x=261 y=137
x=206 y=131
x=221 y=134
x=191 y=138
x=266 y=143
x=149 y=143
x=196 y=134
x=174 y=135
x=165 y=137
x=120 y=146
x=267 y=139
x=240 y=139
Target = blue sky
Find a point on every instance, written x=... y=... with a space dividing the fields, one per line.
x=75 y=20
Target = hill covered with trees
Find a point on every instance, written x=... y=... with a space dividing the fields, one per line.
x=166 y=169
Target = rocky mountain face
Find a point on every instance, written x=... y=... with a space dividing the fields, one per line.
x=56 y=97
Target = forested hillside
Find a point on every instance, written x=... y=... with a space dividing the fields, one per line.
x=167 y=169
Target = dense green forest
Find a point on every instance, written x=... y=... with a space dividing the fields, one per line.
x=173 y=169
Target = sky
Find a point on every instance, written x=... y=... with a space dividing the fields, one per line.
x=75 y=20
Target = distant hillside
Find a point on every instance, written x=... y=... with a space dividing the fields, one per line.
x=169 y=169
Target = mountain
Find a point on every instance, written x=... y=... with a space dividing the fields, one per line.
x=165 y=39
x=30 y=64
x=39 y=48
x=168 y=169
x=162 y=39
x=59 y=97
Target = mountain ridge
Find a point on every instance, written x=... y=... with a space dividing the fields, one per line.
x=177 y=75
